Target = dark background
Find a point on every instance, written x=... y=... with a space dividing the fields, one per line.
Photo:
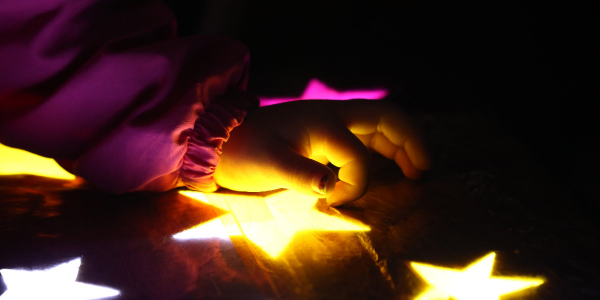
x=526 y=65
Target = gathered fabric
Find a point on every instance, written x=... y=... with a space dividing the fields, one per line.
x=211 y=130
x=107 y=89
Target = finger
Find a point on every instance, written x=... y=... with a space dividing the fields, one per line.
x=406 y=165
x=417 y=152
x=345 y=150
x=369 y=117
x=378 y=142
x=410 y=141
x=289 y=169
x=320 y=158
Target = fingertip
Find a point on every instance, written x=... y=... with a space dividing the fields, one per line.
x=413 y=174
x=293 y=171
x=324 y=184
x=346 y=193
x=418 y=154
x=407 y=165
x=336 y=204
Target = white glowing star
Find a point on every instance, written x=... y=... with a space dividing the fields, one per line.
x=472 y=283
x=269 y=222
x=57 y=282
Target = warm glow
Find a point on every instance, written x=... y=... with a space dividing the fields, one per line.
x=269 y=222
x=211 y=229
x=472 y=283
x=57 y=282
x=16 y=161
x=318 y=90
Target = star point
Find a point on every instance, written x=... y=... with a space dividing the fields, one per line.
x=57 y=282
x=16 y=162
x=318 y=90
x=474 y=282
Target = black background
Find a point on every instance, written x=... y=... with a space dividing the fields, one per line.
x=527 y=65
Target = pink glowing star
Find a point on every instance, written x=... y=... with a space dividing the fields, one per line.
x=318 y=90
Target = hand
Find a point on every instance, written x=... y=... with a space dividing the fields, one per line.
x=289 y=145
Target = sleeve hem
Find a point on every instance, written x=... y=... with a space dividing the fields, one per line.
x=211 y=130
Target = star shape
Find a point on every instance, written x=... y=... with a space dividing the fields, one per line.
x=16 y=161
x=318 y=90
x=270 y=222
x=57 y=282
x=472 y=283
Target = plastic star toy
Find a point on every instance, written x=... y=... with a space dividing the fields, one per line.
x=269 y=222
x=57 y=282
x=16 y=161
x=318 y=90
x=472 y=283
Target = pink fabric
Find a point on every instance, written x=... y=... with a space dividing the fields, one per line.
x=106 y=87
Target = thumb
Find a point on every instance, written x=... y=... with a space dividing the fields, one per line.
x=294 y=171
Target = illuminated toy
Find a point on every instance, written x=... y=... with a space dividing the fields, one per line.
x=16 y=162
x=57 y=282
x=318 y=90
x=475 y=282
x=269 y=222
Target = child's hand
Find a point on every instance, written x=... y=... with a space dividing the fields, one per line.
x=288 y=146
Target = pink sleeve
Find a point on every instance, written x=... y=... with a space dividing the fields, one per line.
x=106 y=87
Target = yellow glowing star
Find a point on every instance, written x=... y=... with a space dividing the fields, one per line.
x=472 y=283
x=269 y=222
x=16 y=161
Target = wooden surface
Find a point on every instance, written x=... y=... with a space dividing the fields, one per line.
x=483 y=195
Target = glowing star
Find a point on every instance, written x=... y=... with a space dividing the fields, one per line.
x=57 y=282
x=318 y=90
x=472 y=283
x=269 y=222
x=16 y=161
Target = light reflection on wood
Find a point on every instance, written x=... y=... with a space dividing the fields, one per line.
x=283 y=229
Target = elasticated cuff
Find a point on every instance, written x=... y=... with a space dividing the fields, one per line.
x=211 y=130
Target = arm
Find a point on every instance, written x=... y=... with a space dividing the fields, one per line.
x=107 y=89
